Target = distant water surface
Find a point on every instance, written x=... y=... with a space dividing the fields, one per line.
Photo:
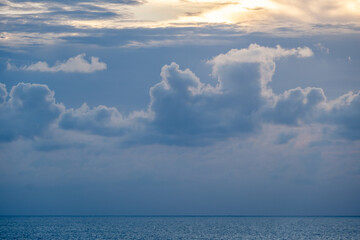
x=179 y=228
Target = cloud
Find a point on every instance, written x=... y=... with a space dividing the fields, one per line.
x=183 y=110
x=20 y=37
x=54 y=22
x=346 y=11
x=28 y=112
x=3 y=93
x=193 y=40
x=258 y=54
x=322 y=48
x=296 y=106
x=40 y=22
x=80 y=1
x=263 y=58
x=284 y=138
x=344 y=112
x=75 y=64
x=102 y=120
x=185 y=107
x=302 y=14
x=71 y=14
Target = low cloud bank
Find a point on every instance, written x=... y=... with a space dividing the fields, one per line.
x=185 y=111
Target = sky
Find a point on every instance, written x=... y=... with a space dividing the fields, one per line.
x=180 y=107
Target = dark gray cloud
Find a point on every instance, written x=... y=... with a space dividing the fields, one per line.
x=28 y=111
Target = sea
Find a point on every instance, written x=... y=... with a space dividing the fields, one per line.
x=178 y=227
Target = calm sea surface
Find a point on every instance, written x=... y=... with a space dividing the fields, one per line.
x=179 y=228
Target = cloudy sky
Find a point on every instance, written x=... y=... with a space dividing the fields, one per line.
x=180 y=107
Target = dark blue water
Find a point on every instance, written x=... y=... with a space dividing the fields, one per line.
x=179 y=228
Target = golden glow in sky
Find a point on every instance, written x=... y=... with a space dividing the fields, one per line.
x=234 y=12
x=253 y=14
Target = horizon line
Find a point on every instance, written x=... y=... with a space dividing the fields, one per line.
x=172 y=215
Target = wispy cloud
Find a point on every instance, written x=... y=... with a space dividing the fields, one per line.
x=174 y=42
x=74 y=64
x=155 y=13
x=20 y=38
x=49 y=22
x=322 y=48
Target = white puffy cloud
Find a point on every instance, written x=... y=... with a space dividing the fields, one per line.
x=258 y=54
x=73 y=64
x=263 y=57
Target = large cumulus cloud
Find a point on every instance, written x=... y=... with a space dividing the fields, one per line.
x=27 y=111
x=184 y=110
x=185 y=107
